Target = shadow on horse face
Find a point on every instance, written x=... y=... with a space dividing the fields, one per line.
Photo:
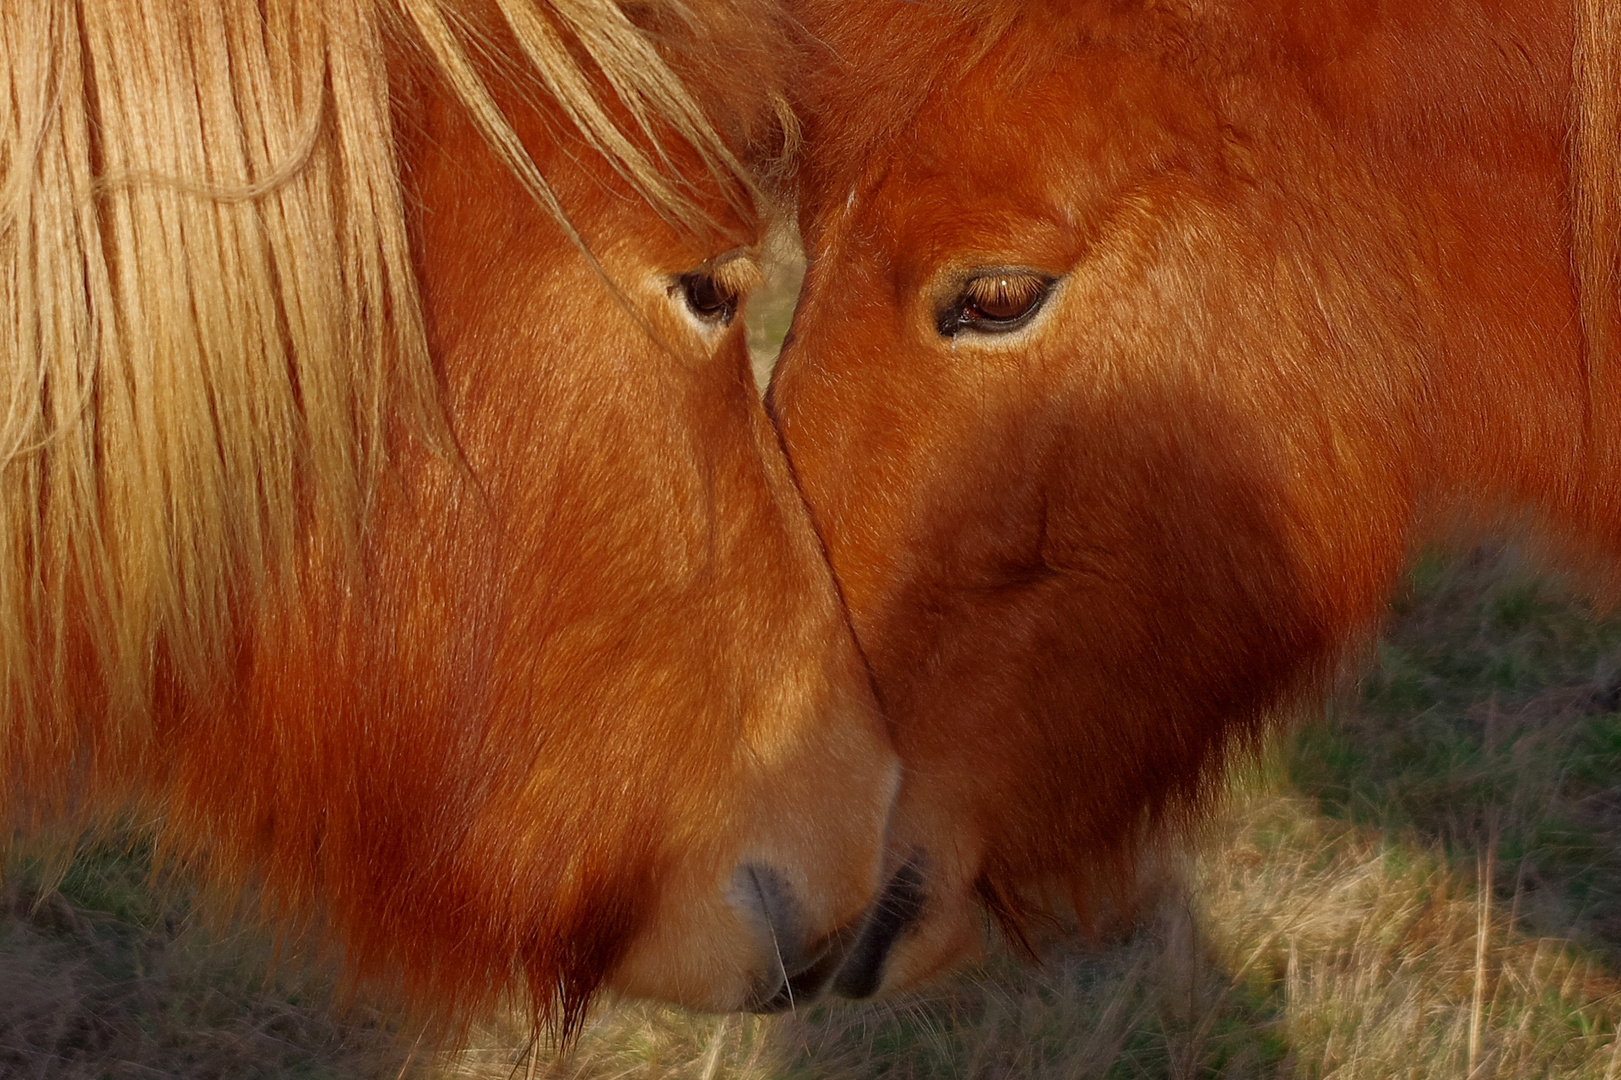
x=576 y=704
x=1128 y=364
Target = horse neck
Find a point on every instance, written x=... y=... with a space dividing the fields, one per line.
x=1451 y=127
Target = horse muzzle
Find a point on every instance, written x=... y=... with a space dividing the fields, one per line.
x=798 y=967
x=851 y=961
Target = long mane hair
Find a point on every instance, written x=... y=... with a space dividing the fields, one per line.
x=209 y=324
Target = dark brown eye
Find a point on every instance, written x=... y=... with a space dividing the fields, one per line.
x=996 y=303
x=709 y=299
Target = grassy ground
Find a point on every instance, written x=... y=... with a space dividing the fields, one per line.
x=107 y=975
x=1423 y=882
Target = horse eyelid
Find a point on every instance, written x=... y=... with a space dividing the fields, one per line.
x=1004 y=288
x=953 y=319
x=737 y=272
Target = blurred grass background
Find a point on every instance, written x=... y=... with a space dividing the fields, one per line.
x=1422 y=881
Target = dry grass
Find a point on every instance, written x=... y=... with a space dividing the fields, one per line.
x=106 y=975
x=1425 y=882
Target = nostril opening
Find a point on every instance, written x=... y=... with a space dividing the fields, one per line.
x=900 y=906
x=804 y=985
x=762 y=891
x=776 y=903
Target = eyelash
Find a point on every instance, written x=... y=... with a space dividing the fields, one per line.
x=960 y=314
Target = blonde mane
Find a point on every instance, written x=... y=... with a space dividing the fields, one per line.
x=208 y=316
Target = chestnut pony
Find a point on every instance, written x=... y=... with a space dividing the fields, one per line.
x=388 y=513
x=1140 y=344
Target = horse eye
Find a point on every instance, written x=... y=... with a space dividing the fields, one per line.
x=709 y=299
x=996 y=303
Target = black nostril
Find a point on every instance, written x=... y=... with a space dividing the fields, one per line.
x=763 y=891
x=803 y=986
x=775 y=902
x=898 y=908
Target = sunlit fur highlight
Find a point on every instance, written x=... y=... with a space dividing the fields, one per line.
x=737 y=273
x=1595 y=145
x=1342 y=279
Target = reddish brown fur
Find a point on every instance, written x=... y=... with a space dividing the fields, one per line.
x=1317 y=298
x=570 y=675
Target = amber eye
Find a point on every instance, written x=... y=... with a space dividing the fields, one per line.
x=995 y=303
x=708 y=298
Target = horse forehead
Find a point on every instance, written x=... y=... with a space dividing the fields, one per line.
x=1001 y=145
x=934 y=209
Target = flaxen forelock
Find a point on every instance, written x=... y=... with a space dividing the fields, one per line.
x=208 y=315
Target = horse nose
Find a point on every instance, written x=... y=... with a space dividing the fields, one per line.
x=898 y=908
x=852 y=959
x=796 y=968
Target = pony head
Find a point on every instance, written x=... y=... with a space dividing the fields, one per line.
x=389 y=512
x=1136 y=344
